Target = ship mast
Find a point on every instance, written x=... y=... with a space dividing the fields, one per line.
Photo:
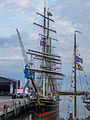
x=44 y=40
x=47 y=50
x=75 y=87
x=75 y=105
x=47 y=58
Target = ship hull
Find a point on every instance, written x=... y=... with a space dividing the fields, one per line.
x=45 y=107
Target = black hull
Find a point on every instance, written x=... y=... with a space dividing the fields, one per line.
x=45 y=107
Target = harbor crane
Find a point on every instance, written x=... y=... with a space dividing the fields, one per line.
x=27 y=64
x=23 y=49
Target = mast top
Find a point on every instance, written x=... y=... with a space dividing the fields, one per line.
x=78 y=31
x=75 y=37
x=45 y=3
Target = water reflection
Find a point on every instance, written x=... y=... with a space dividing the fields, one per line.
x=54 y=116
x=23 y=116
x=29 y=116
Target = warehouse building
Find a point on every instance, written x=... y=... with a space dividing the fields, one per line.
x=8 y=86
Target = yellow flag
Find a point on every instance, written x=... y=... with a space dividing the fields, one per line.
x=79 y=67
x=72 y=76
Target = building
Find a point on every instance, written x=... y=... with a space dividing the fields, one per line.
x=8 y=86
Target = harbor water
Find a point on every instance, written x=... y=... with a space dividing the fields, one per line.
x=66 y=106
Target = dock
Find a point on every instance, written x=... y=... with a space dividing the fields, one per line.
x=13 y=107
x=72 y=93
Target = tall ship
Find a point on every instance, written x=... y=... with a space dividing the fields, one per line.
x=46 y=79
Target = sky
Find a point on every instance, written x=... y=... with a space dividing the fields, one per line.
x=69 y=15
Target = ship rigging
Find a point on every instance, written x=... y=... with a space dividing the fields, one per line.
x=46 y=98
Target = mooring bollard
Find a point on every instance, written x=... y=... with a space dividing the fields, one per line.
x=15 y=111
x=19 y=106
x=24 y=105
x=13 y=102
x=5 y=111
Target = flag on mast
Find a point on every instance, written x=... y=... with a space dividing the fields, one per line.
x=49 y=13
x=79 y=67
x=42 y=43
x=78 y=59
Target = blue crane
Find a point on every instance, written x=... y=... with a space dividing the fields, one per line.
x=27 y=65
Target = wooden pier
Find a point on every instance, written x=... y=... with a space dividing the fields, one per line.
x=13 y=107
x=72 y=93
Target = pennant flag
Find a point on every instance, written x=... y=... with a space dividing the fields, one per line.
x=42 y=43
x=78 y=59
x=49 y=14
x=54 y=67
x=71 y=96
x=79 y=67
x=72 y=76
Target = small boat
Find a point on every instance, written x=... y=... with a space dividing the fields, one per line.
x=86 y=99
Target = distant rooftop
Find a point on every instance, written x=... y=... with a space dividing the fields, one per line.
x=4 y=79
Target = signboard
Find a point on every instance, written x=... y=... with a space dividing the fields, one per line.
x=19 y=91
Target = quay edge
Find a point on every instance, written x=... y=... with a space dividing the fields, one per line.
x=14 y=108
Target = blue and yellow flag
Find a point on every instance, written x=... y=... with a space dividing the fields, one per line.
x=79 y=67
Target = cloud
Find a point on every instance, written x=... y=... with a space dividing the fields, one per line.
x=33 y=36
x=62 y=25
x=30 y=20
x=21 y=14
x=87 y=3
x=22 y=3
x=10 y=48
x=10 y=53
x=40 y=6
x=15 y=7
x=59 y=7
